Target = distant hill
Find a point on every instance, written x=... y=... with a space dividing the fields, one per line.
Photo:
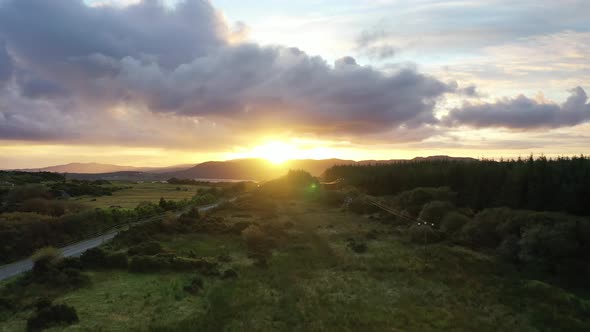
x=261 y=169
x=255 y=169
x=97 y=168
x=444 y=158
x=239 y=169
x=118 y=176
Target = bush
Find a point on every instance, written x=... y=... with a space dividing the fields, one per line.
x=8 y=303
x=44 y=258
x=509 y=248
x=481 y=231
x=161 y=263
x=116 y=260
x=148 y=264
x=332 y=198
x=453 y=221
x=195 y=286
x=413 y=200
x=434 y=212
x=358 y=247
x=52 y=315
x=547 y=244
x=190 y=217
x=206 y=266
x=423 y=234
x=94 y=257
x=148 y=248
x=257 y=241
x=229 y=274
x=360 y=206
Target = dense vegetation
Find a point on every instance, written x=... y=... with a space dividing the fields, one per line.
x=540 y=184
x=35 y=213
x=262 y=263
x=289 y=256
x=550 y=245
x=17 y=178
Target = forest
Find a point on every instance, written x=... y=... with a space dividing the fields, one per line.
x=540 y=184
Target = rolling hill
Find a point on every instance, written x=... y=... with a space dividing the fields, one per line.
x=239 y=169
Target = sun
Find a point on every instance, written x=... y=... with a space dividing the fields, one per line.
x=275 y=152
x=279 y=151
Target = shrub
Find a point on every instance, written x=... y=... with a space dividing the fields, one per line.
x=358 y=247
x=423 y=234
x=229 y=274
x=195 y=286
x=257 y=241
x=509 y=248
x=94 y=257
x=434 y=212
x=413 y=200
x=206 y=266
x=42 y=303
x=360 y=206
x=7 y=303
x=99 y=258
x=148 y=264
x=332 y=198
x=44 y=258
x=190 y=217
x=372 y=234
x=453 y=222
x=239 y=227
x=116 y=260
x=70 y=263
x=481 y=231
x=547 y=244
x=160 y=263
x=138 y=234
x=52 y=315
x=148 y=248
x=510 y=222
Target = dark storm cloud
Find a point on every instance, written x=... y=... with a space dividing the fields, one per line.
x=51 y=32
x=523 y=113
x=5 y=64
x=278 y=86
x=182 y=61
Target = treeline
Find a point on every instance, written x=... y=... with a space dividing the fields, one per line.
x=540 y=184
x=187 y=182
x=81 y=188
x=50 y=198
x=17 y=178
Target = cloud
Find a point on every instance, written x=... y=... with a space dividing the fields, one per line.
x=5 y=64
x=372 y=44
x=523 y=113
x=76 y=63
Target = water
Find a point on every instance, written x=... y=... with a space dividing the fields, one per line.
x=222 y=180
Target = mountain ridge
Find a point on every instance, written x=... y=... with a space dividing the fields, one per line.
x=255 y=169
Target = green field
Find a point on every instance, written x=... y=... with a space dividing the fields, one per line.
x=315 y=282
x=141 y=192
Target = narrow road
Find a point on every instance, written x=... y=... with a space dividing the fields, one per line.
x=78 y=248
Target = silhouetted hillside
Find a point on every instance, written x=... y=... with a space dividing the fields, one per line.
x=98 y=168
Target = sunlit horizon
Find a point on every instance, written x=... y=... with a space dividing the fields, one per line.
x=198 y=81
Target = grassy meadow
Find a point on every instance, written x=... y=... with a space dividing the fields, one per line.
x=141 y=192
x=313 y=280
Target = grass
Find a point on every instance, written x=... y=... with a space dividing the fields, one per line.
x=315 y=282
x=141 y=192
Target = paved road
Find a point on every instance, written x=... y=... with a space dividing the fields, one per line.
x=76 y=249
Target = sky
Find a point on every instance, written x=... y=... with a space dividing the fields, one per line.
x=156 y=83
